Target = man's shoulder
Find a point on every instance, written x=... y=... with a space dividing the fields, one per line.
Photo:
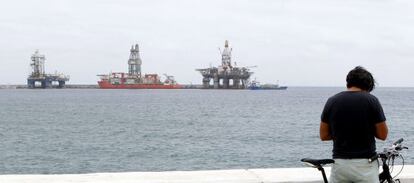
x=334 y=98
x=346 y=95
x=353 y=94
x=338 y=95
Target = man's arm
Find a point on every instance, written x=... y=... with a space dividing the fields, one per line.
x=324 y=132
x=381 y=130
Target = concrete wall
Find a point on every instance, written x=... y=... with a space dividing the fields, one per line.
x=211 y=176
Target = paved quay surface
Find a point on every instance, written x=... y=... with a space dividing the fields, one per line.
x=208 y=176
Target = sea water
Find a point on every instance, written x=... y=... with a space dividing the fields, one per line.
x=92 y=130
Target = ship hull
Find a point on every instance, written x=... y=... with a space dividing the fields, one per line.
x=107 y=85
x=264 y=88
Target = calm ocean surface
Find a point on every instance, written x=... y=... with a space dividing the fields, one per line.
x=83 y=131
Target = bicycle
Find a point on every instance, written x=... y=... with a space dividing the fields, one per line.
x=387 y=156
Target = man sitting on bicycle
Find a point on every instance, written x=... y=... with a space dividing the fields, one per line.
x=352 y=119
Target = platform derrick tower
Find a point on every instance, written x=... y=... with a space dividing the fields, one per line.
x=38 y=65
x=226 y=56
x=226 y=67
x=134 y=63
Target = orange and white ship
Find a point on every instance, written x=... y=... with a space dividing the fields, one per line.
x=133 y=79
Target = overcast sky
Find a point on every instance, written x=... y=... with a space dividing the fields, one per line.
x=298 y=42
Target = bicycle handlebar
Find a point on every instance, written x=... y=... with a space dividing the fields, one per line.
x=398 y=141
x=393 y=151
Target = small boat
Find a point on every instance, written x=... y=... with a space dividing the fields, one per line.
x=255 y=85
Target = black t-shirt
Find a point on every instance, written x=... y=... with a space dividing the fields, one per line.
x=352 y=116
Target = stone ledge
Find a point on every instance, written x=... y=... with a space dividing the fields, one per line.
x=273 y=175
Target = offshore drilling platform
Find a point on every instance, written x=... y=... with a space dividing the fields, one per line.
x=38 y=78
x=226 y=76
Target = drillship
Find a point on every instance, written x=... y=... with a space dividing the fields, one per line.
x=134 y=79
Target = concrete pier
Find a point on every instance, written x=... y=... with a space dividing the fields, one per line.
x=211 y=176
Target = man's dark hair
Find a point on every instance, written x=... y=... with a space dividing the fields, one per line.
x=361 y=78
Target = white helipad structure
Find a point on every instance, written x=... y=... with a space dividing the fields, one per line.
x=209 y=176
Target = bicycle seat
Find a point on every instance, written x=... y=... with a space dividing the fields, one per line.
x=317 y=162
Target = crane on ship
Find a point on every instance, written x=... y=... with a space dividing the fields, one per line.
x=169 y=79
x=253 y=66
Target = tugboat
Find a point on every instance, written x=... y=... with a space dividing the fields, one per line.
x=255 y=85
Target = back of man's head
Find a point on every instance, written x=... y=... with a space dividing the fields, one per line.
x=359 y=77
